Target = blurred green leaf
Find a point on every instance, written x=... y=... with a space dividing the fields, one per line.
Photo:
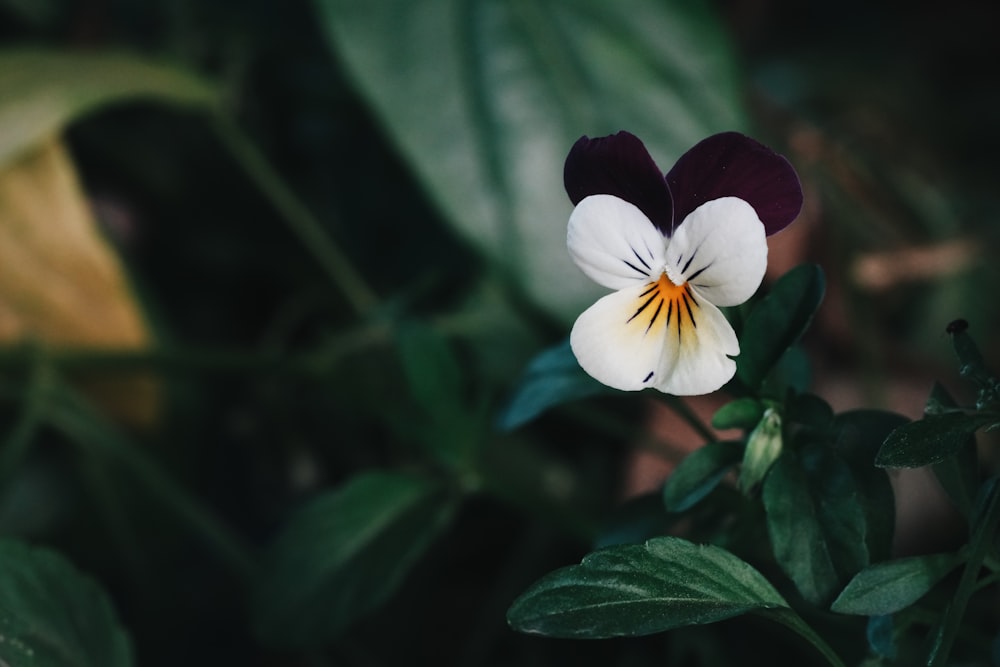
x=742 y=413
x=699 y=473
x=777 y=321
x=885 y=588
x=451 y=425
x=52 y=615
x=815 y=521
x=932 y=439
x=41 y=91
x=432 y=371
x=857 y=436
x=642 y=589
x=485 y=99
x=552 y=378
x=343 y=554
x=881 y=637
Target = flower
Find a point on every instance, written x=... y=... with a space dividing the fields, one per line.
x=675 y=248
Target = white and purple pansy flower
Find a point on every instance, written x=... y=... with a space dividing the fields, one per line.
x=674 y=248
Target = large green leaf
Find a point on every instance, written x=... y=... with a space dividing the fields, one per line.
x=885 y=588
x=777 y=321
x=858 y=434
x=51 y=615
x=43 y=90
x=485 y=97
x=636 y=590
x=932 y=439
x=343 y=554
x=815 y=520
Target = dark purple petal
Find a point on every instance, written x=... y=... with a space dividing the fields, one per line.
x=619 y=165
x=733 y=165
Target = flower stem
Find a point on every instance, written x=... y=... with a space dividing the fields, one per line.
x=982 y=541
x=793 y=621
x=71 y=415
x=299 y=219
x=687 y=414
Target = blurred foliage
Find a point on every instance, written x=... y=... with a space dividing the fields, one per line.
x=347 y=242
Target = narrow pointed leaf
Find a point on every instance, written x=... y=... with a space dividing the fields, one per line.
x=343 y=554
x=552 y=378
x=932 y=439
x=742 y=413
x=699 y=473
x=52 y=615
x=642 y=589
x=777 y=321
x=958 y=474
x=485 y=100
x=885 y=588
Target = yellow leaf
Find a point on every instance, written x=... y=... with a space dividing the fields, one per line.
x=61 y=283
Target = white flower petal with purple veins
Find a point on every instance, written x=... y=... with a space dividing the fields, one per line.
x=721 y=250
x=624 y=340
x=703 y=362
x=613 y=242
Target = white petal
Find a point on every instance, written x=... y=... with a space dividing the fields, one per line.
x=656 y=335
x=703 y=364
x=721 y=249
x=623 y=344
x=613 y=242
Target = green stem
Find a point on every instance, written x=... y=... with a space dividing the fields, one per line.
x=211 y=360
x=74 y=417
x=298 y=218
x=793 y=621
x=684 y=412
x=982 y=543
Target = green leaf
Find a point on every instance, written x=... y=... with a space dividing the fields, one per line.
x=970 y=358
x=885 y=588
x=450 y=427
x=777 y=321
x=344 y=554
x=431 y=369
x=881 y=637
x=932 y=439
x=742 y=413
x=635 y=521
x=485 y=99
x=41 y=91
x=958 y=474
x=52 y=615
x=699 y=473
x=636 y=590
x=552 y=378
x=815 y=520
x=858 y=434
x=810 y=410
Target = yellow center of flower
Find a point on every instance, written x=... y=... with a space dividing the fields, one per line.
x=666 y=304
